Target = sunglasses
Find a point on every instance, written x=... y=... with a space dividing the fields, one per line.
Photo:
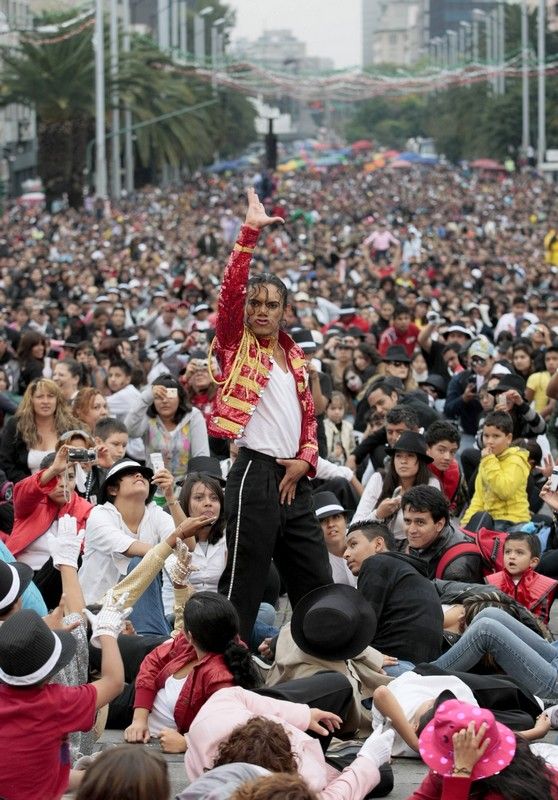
x=478 y=361
x=399 y=363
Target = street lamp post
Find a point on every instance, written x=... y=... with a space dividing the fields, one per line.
x=128 y=142
x=541 y=55
x=525 y=137
x=100 y=150
x=115 y=183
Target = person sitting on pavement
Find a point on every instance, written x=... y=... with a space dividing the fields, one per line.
x=333 y=519
x=407 y=605
x=442 y=443
x=331 y=629
x=381 y=499
x=500 y=497
x=430 y=534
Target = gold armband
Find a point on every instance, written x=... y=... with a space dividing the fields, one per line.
x=241 y=249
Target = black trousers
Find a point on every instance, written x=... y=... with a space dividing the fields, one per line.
x=328 y=691
x=259 y=528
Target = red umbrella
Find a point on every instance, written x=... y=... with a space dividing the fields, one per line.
x=362 y=144
x=488 y=164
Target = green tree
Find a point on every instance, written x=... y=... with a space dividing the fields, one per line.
x=57 y=79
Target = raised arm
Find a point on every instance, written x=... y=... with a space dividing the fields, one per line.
x=230 y=310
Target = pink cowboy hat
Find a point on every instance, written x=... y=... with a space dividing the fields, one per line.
x=436 y=740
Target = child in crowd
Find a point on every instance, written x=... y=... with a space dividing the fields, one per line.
x=123 y=396
x=501 y=482
x=126 y=773
x=443 y=440
x=36 y=716
x=339 y=431
x=538 y=381
x=536 y=592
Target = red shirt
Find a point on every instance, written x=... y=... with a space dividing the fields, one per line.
x=34 y=728
x=434 y=787
x=407 y=340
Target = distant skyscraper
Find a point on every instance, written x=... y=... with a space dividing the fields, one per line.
x=393 y=31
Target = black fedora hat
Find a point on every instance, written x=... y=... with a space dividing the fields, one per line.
x=304 y=340
x=508 y=382
x=411 y=442
x=326 y=504
x=30 y=652
x=124 y=467
x=14 y=580
x=207 y=465
x=436 y=381
x=333 y=622
x=396 y=353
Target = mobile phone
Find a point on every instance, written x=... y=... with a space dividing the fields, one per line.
x=172 y=392
x=157 y=462
x=502 y=399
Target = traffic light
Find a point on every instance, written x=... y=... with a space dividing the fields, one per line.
x=271 y=148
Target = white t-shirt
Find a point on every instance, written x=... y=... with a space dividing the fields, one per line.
x=37 y=553
x=106 y=539
x=366 y=509
x=275 y=425
x=162 y=713
x=340 y=571
x=411 y=690
x=34 y=458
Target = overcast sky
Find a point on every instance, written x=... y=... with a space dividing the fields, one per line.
x=329 y=27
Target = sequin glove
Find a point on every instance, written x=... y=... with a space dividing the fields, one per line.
x=65 y=546
x=183 y=567
x=377 y=748
x=109 y=620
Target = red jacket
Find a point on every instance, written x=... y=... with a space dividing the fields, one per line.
x=534 y=591
x=449 y=480
x=34 y=511
x=436 y=787
x=206 y=678
x=235 y=401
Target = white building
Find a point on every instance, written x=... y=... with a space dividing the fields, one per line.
x=18 y=156
x=393 y=31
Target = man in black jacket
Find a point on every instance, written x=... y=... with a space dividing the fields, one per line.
x=407 y=606
x=431 y=534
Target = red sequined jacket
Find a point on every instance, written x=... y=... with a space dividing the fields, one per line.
x=534 y=591
x=244 y=379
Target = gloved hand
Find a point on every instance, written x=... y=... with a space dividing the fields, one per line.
x=65 y=547
x=377 y=748
x=182 y=568
x=109 y=620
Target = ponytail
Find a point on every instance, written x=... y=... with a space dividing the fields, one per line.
x=240 y=663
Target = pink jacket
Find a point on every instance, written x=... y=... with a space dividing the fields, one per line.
x=228 y=708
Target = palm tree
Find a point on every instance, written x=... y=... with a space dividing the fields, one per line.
x=57 y=79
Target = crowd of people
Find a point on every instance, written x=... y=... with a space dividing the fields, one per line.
x=338 y=399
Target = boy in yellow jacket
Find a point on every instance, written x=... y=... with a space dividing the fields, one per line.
x=501 y=482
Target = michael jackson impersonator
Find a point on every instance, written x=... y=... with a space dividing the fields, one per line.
x=264 y=402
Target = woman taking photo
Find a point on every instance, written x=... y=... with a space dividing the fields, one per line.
x=168 y=424
x=177 y=677
x=31 y=356
x=41 y=418
x=381 y=499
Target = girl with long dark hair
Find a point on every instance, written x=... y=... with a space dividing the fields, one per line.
x=177 y=677
x=473 y=757
x=408 y=466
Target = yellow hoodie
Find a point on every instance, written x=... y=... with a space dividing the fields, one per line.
x=501 y=487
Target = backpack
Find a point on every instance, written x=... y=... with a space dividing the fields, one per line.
x=490 y=546
x=487 y=544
